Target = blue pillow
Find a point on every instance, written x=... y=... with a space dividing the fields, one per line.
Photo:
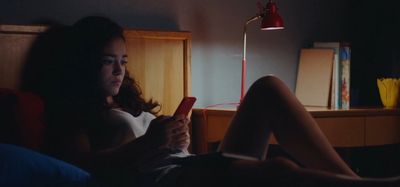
x=23 y=167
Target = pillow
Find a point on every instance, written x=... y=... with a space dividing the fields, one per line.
x=21 y=118
x=24 y=167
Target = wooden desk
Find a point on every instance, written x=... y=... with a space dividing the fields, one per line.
x=343 y=128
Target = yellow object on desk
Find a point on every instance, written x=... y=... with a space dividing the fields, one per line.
x=389 y=89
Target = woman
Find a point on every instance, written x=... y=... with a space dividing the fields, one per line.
x=110 y=130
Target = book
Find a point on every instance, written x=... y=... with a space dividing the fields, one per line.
x=335 y=94
x=340 y=91
x=314 y=77
x=344 y=58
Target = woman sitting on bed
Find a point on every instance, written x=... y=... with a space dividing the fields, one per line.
x=103 y=124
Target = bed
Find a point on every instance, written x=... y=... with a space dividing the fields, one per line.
x=159 y=61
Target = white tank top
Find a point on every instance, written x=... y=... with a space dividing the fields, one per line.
x=138 y=124
x=158 y=158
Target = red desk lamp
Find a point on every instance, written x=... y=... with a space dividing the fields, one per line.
x=271 y=21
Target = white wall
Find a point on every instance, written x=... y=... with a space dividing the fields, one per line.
x=217 y=33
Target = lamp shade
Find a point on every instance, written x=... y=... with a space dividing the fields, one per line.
x=271 y=19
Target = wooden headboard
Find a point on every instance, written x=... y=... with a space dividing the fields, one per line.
x=159 y=60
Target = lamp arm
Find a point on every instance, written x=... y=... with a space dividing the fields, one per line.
x=244 y=63
x=245 y=30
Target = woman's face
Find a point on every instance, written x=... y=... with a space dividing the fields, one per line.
x=112 y=72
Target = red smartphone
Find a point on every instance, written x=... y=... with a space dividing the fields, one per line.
x=185 y=106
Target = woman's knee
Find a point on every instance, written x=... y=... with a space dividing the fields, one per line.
x=269 y=85
x=268 y=81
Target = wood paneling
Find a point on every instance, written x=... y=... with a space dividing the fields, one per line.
x=15 y=42
x=160 y=62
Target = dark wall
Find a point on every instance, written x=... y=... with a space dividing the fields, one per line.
x=375 y=38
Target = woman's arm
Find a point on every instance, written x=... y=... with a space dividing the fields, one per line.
x=163 y=133
x=79 y=151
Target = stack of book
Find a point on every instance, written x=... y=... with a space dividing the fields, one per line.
x=324 y=75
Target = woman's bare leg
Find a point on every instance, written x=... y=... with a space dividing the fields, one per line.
x=272 y=173
x=269 y=106
x=284 y=173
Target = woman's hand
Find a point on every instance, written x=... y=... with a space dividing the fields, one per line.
x=167 y=132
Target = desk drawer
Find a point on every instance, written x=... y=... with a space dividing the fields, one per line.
x=217 y=127
x=381 y=130
x=343 y=131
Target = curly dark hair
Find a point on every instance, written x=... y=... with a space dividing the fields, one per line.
x=91 y=35
x=69 y=84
